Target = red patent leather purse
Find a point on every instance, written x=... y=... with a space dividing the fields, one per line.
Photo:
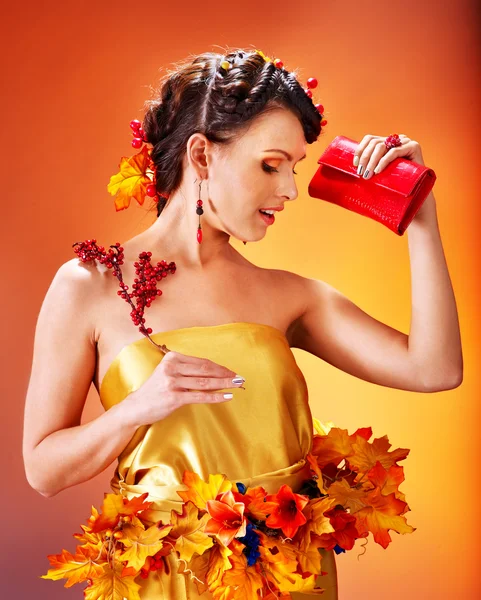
x=392 y=197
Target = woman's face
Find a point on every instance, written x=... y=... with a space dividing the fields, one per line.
x=251 y=175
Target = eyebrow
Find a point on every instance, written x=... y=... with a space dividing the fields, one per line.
x=286 y=154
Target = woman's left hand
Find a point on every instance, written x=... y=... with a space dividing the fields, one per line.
x=372 y=156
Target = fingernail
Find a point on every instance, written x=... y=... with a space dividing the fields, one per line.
x=376 y=170
x=228 y=396
x=238 y=379
x=359 y=170
x=366 y=174
x=356 y=161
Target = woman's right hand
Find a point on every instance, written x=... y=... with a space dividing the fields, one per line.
x=171 y=383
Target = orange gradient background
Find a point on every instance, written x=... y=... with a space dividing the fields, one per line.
x=75 y=74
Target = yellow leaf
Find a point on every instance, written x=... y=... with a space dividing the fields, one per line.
x=241 y=582
x=188 y=531
x=322 y=428
x=112 y=586
x=200 y=492
x=141 y=543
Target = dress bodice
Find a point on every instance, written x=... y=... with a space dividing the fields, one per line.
x=265 y=427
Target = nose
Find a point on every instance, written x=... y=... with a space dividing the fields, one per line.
x=291 y=192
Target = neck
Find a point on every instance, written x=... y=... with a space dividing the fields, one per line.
x=173 y=236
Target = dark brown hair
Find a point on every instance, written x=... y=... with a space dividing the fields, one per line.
x=200 y=96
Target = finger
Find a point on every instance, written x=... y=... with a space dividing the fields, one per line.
x=379 y=151
x=390 y=156
x=207 y=383
x=198 y=366
x=203 y=397
x=361 y=147
x=366 y=154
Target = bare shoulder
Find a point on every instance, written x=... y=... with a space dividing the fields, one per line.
x=293 y=290
x=306 y=295
x=87 y=282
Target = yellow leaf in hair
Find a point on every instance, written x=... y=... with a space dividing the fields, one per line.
x=132 y=179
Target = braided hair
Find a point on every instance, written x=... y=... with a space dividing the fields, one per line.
x=199 y=95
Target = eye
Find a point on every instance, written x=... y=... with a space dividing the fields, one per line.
x=270 y=169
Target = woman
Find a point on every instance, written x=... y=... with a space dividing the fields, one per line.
x=230 y=136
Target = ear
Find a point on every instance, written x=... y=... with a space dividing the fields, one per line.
x=200 y=154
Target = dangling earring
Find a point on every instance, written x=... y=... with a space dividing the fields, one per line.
x=200 y=211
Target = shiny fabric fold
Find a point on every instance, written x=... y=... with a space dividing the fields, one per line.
x=260 y=437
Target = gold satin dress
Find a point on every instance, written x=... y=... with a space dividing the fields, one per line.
x=260 y=437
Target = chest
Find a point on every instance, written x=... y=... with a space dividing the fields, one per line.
x=189 y=298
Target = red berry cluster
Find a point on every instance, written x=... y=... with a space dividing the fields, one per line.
x=144 y=287
x=138 y=133
x=311 y=84
x=139 y=139
x=153 y=563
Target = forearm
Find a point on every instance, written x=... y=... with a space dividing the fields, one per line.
x=71 y=456
x=434 y=338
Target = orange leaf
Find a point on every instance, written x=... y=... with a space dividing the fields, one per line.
x=388 y=480
x=332 y=448
x=382 y=514
x=351 y=498
x=132 y=179
x=317 y=522
x=74 y=567
x=115 y=506
x=368 y=453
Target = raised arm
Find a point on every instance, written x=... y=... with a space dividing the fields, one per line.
x=58 y=452
x=429 y=359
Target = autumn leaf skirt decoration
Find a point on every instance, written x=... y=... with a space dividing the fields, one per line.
x=240 y=542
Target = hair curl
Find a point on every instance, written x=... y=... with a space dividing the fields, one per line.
x=200 y=96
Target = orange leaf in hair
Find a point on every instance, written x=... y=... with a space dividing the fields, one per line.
x=132 y=179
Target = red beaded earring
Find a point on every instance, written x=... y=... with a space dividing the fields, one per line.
x=200 y=211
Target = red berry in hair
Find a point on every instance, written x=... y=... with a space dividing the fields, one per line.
x=151 y=191
x=312 y=83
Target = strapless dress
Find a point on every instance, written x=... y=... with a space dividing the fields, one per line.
x=260 y=437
